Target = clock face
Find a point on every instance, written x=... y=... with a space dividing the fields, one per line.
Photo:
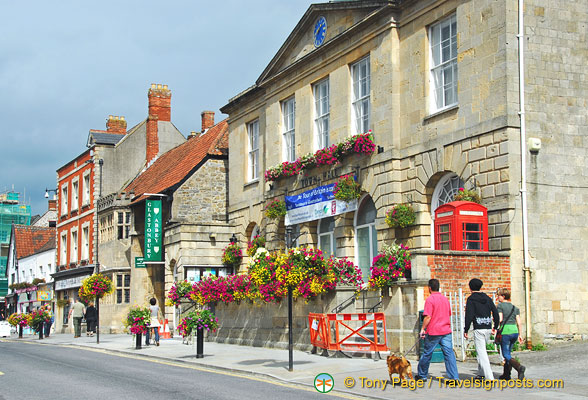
x=320 y=31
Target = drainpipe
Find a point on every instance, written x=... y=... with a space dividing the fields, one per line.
x=526 y=268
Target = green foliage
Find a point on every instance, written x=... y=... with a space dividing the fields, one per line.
x=275 y=209
x=347 y=188
x=400 y=216
x=539 y=347
x=232 y=255
x=467 y=195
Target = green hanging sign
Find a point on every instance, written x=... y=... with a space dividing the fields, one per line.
x=152 y=230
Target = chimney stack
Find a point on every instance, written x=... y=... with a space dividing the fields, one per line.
x=159 y=110
x=52 y=205
x=207 y=120
x=116 y=124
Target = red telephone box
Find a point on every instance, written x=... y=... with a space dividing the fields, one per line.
x=461 y=225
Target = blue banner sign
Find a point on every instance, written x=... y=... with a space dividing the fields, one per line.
x=315 y=204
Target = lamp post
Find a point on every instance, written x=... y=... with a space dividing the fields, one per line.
x=97 y=262
x=289 y=241
x=50 y=190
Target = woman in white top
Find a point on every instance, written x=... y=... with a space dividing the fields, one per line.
x=154 y=324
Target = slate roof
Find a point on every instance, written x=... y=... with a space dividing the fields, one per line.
x=31 y=240
x=172 y=167
x=103 y=137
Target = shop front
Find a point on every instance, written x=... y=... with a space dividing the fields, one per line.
x=67 y=284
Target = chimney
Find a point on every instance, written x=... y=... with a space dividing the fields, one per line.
x=207 y=120
x=159 y=110
x=52 y=205
x=192 y=134
x=116 y=124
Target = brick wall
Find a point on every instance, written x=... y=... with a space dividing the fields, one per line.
x=455 y=271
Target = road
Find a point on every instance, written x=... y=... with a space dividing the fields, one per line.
x=37 y=371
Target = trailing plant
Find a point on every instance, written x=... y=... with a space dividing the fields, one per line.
x=18 y=319
x=204 y=319
x=390 y=265
x=347 y=188
x=400 y=216
x=138 y=319
x=232 y=255
x=467 y=195
x=275 y=209
x=37 y=281
x=178 y=290
x=255 y=243
x=95 y=286
x=37 y=318
x=20 y=285
x=358 y=144
x=62 y=302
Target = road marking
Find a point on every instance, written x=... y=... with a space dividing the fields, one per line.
x=200 y=368
x=1 y=373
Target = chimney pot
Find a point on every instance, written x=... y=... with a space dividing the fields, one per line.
x=153 y=86
x=159 y=86
x=165 y=87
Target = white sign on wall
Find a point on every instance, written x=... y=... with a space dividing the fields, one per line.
x=70 y=282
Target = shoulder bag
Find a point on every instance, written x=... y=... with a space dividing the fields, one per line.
x=498 y=336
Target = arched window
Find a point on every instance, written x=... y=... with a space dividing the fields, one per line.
x=326 y=228
x=366 y=238
x=444 y=192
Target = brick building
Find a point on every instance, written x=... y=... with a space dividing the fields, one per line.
x=437 y=83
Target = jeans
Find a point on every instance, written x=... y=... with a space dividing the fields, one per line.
x=77 y=323
x=431 y=342
x=47 y=328
x=481 y=337
x=506 y=345
x=156 y=330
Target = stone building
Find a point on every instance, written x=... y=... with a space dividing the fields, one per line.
x=437 y=83
x=89 y=196
x=190 y=180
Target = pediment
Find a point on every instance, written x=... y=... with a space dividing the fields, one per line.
x=340 y=16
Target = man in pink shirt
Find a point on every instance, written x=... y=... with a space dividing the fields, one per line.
x=437 y=330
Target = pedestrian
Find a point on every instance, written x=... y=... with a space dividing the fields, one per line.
x=50 y=322
x=77 y=312
x=437 y=330
x=91 y=318
x=480 y=310
x=154 y=323
x=510 y=319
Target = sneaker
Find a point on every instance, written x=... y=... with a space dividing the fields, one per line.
x=419 y=378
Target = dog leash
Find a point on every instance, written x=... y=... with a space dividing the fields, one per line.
x=409 y=350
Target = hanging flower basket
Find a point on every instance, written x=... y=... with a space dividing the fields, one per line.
x=204 y=319
x=390 y=265
x=17 y=319
x=138 y=319
x=36 y=319
x=400 y=216
x=467 y=195
x=275 y=209
x=347 y=188
x=95 y=286
x=232 y=255
x=254 y=244
x=177 y=292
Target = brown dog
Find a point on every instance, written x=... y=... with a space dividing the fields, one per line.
x=399 y=365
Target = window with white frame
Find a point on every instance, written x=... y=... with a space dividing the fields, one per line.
x=253 y=136
x=86 y=189
x=443 y=43
x=289 y=137
x=74 y=194
x=73 y=255
x=321 y=113
x=326 y=229
x=360 y=75
x=64 y=209
x=63 y=249
x=366 y=238
x=85 y=242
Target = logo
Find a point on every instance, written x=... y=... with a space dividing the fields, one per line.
x=324 y=383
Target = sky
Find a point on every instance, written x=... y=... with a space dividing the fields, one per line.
x=66 y=65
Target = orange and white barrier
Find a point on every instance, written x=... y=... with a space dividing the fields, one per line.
x=164 y=332
x=362 y=336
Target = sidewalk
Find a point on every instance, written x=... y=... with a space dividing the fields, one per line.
x=274 y=363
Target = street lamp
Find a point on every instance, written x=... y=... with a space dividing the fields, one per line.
x=50 y=190
x=100 y=162
x=290 y=239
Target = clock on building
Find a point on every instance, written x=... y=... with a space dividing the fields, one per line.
x=320 y=31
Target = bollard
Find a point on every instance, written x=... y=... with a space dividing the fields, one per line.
x=138 y=341
x=41 y=332
x=20 y=331
x=199 y=342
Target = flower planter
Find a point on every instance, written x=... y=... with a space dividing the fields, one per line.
x=200 y=342
x=20 y=332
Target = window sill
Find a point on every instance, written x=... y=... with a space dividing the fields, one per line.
x=251 y=183
x=447 y=110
